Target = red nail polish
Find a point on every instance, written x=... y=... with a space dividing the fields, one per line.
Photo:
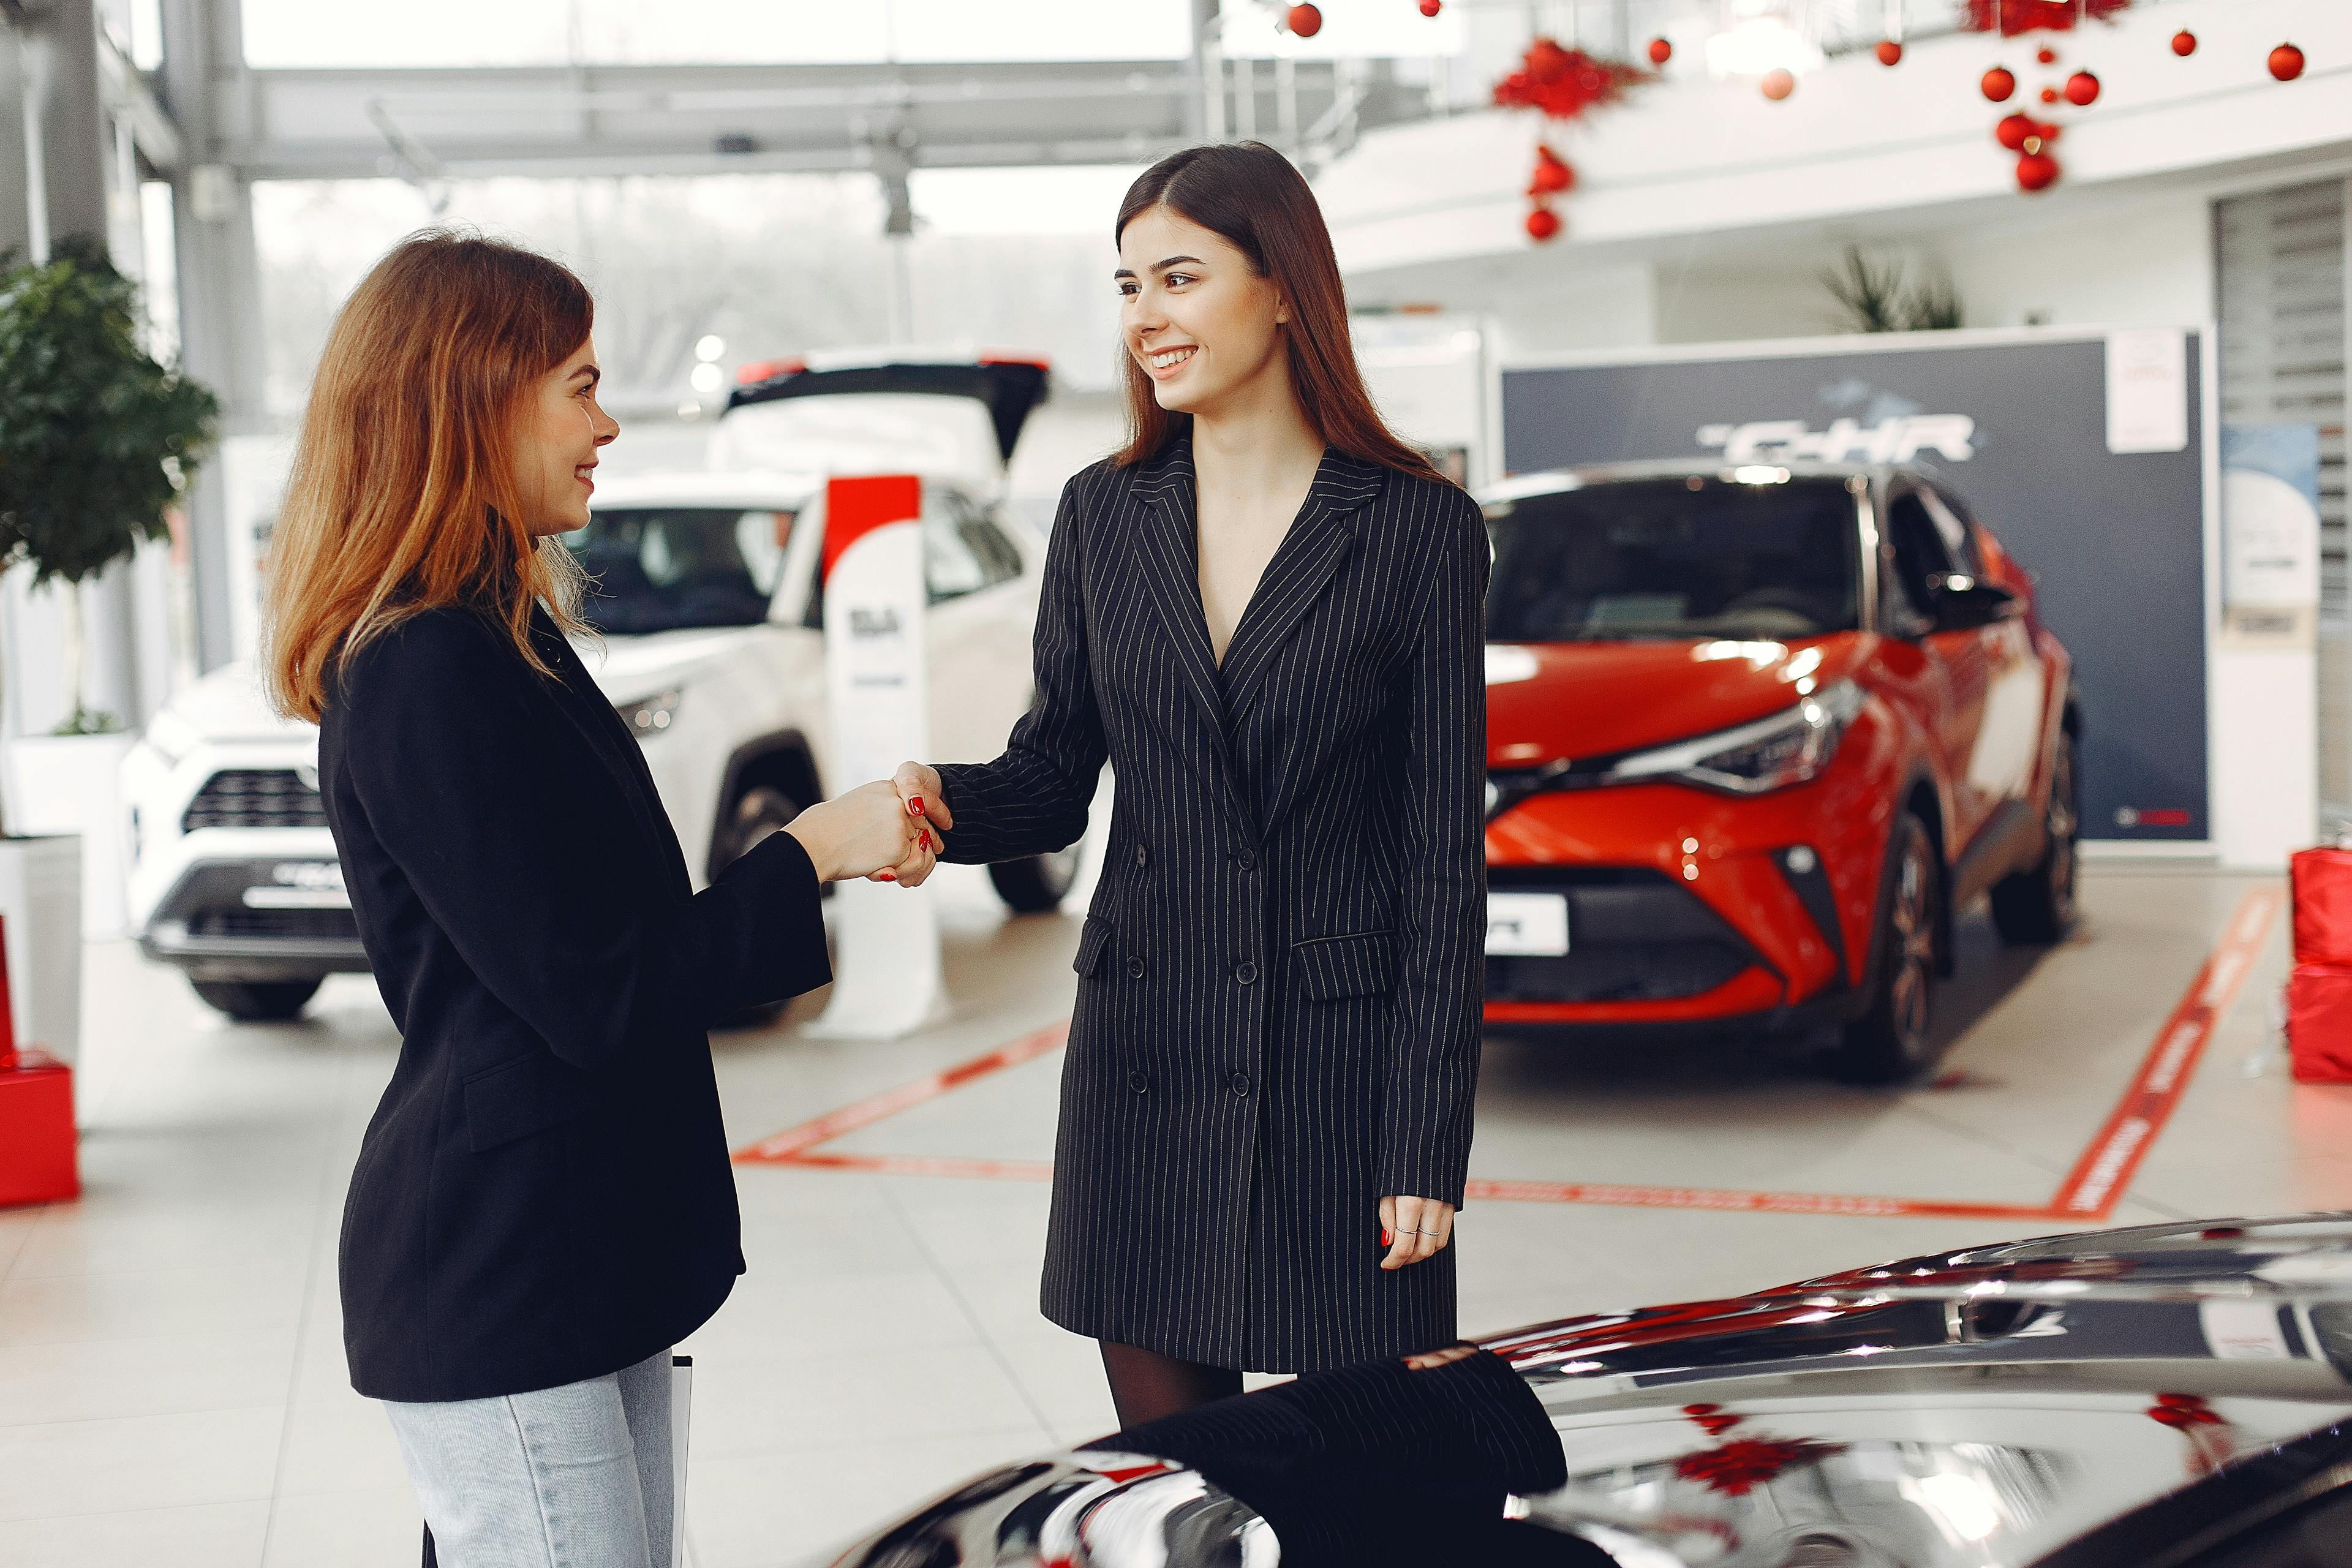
x=1384 y=1236
x=914 y=805
x=886 y=876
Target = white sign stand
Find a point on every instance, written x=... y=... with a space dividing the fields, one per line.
x=886 y=981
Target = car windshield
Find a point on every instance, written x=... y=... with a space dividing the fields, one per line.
x=660 y=569
x=1674 y=558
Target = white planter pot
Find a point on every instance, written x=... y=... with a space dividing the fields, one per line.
x=40 y=901
x=73 y=784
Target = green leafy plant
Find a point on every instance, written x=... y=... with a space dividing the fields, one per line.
x=97 y=441
x=1875 y=296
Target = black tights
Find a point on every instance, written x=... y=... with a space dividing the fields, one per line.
x=1146 y=1385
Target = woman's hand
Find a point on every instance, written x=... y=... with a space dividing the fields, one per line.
x=918 y=785
x=864 y=832
x=1413 y=1229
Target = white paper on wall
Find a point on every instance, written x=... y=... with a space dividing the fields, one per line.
x=2148 y=390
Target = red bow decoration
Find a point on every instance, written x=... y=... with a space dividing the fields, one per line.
x=1735 y=1468
x=1564 y=83
x=2016 y=16
x=1732 y=1469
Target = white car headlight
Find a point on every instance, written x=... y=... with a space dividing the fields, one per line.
x=1790 y=748
x=651 y=715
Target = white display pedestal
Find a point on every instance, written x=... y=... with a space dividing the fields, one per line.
x=40 y=903
x=73 y=784
x=886 y=973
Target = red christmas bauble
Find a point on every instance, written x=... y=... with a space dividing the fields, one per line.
x=2036 y=172
x=1999 y=84
x=1890 y=53
x=1661 y=51
x=1552 y=174
x=2286 y=62
x=1431 y=7
x=1543 y=223
x=1777 y=85
x=2184 y=43
x=2046 y=55
x=1305 y=21
x=2013 y=131
x=2082 y=89
x=2047 y=130
x=2049 y=95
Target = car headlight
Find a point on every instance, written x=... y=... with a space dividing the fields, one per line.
x=651 y=715
x=170 y=737
x=1790 y=748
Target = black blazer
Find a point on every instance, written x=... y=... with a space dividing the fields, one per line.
x=1279 y=1021
x=543 y=1195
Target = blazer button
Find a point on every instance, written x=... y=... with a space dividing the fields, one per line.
x=1247 y=860
x=1240 y=1082
x=1135 y=967
x=1139 y=1081
x=1246 y=974
x=1142 y=854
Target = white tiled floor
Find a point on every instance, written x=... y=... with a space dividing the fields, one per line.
x=171 y=1386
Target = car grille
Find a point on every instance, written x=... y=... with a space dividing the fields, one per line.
x=315 y=925
x=1635 y=936
x=255 y=797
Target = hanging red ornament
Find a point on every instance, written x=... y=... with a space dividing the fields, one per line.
x=2286 y=62
x=2036 y=172
x=1660 y=51
x=1890 y=53
x=2047 y=130
x=2000 y=84
x=2046 y=55
x=1431 y=7
x=1777 y=84
x=2082 y=89
x=2184 y=43
x=2013 y=131
x=1551 y=174
x=2049 y=95
x=1305 y=21
x=2015 y=18
x=1542 y=224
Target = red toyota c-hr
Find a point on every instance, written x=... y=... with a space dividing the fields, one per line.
x=1753 y=735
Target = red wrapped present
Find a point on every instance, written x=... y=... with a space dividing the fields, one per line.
x=2322 y=879
x=37 y=1129
x=2319 y=1022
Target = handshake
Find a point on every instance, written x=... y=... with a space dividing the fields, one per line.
x=891 y=831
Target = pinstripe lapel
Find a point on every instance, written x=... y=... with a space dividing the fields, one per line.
x=1168 y=556
x=1319 y=541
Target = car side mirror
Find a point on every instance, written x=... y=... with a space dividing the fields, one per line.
x=1963 y=604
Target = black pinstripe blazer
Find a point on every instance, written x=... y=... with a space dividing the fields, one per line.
x=1277 y=1022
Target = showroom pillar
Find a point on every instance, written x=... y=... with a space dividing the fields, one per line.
x=220 y=292
x=59 y=149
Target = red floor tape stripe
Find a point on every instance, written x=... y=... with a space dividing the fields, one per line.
x=2100 y=1177
x=2090 y=1191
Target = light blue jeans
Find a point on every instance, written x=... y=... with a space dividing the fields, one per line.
x=575 y=1477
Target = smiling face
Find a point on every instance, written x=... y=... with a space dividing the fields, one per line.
x=1198 y=319
x=557 y=434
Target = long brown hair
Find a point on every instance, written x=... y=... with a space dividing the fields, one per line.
x=1250 y=194
x=401 y=499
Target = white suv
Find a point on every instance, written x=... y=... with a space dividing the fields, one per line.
x=710 y=604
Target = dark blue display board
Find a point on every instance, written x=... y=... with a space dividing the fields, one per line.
x=2018 y=428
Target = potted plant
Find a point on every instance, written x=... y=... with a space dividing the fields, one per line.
x=97 y=444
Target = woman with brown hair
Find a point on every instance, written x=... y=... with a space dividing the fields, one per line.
x=1268 y=613
x=543 y=1204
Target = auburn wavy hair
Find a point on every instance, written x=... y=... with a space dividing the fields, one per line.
x=401 y=498
x=1250 y=194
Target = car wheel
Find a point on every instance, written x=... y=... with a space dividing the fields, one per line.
x=258 y=1000
x=2035 y=906
x=759 y=813
x=1890 y=1043
x=1037 y=885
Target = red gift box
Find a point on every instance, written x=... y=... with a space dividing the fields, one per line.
x=2322 y=880
x=2319 y=1022
x=37 y=1129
